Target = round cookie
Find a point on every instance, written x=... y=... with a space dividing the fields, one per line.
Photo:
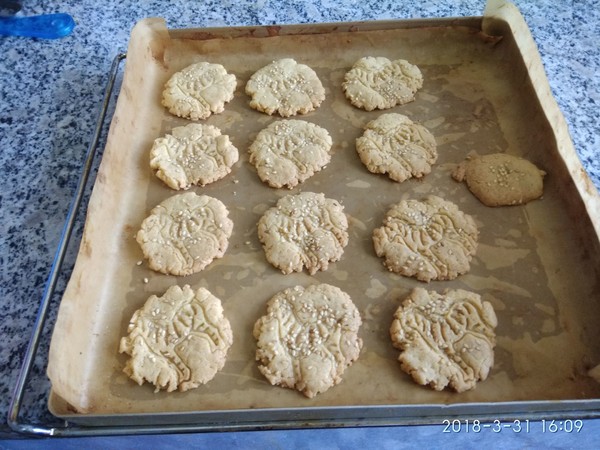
x=303 y=230
x=499 y=179
x=184 y=233
x=445 y=339
x=395 y=145
x=177 y=341
x=428 y=240
x=195 y=154
x=285 y=87
x=308 y=338
x=288 y=152
x=198 y=91
x=378 y=83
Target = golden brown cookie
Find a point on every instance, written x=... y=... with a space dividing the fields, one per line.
x=177 y=341
x=428 y=240
x=198 y=91
x=185 y=233
x=289 y=152
x=195 y=154
x=308 y=338
x=378 y=83
x=303 y=230
x=285 y=87
x=395 y=145
x=500 y=179
x=445 y=339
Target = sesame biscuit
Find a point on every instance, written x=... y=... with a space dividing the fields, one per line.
x=285 y=87
x=177 y=341
x=303 y=230
x=395 y=145
x=198 y=91
x=500 y=179
x=288 y=152
x=445 y=339
x=185 y=233
x=195 y=154
x=428 y=240
x=308 y=338
x=378 y=83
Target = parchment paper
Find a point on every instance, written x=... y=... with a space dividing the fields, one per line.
x=537 y=264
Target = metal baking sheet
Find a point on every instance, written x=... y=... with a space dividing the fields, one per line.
x=484 y=90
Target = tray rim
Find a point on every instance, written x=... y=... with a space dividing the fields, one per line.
x=344 y=416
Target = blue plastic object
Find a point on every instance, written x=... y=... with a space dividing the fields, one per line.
x=45 y=26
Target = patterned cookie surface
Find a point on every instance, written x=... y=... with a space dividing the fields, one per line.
x=446 y=339
x=303 y=230
x=428 y=240
x=378 y=83
x=198 y=91
x=288 y=152
x=285 y=87
x=395 y=145
x=308 y=338
x=184 y=233
x=177 y=341
x=195 y=154
x=500 y=179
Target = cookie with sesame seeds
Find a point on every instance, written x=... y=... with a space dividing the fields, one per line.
x=177 y=341
x=396 y=145
x=308 y=337
x=500 y=179
x=304 y=230
x=285 y=87
x=379 y=83
x=288 y=152
x=429 y=240
x=185 y=233
x=195 y=154
x=199 y=90
x=445 y=339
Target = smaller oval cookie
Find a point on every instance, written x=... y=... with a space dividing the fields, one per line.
x=285 y=87
x=308 y=338
x=199 y=90
x=185 y=233
x=177 y=341
x=445 y=339
x=499 y=179
x=378 y=83
x=195 y=154
x=303 y=230
x=395 y=145
x=288 y=152
x=429 y=240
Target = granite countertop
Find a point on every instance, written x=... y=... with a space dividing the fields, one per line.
x=50 y=93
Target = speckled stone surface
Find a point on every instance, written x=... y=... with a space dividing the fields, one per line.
x=50 y=92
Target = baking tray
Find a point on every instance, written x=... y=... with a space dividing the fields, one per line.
x=484 y=90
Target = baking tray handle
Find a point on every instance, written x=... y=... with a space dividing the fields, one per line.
x=17 y=399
